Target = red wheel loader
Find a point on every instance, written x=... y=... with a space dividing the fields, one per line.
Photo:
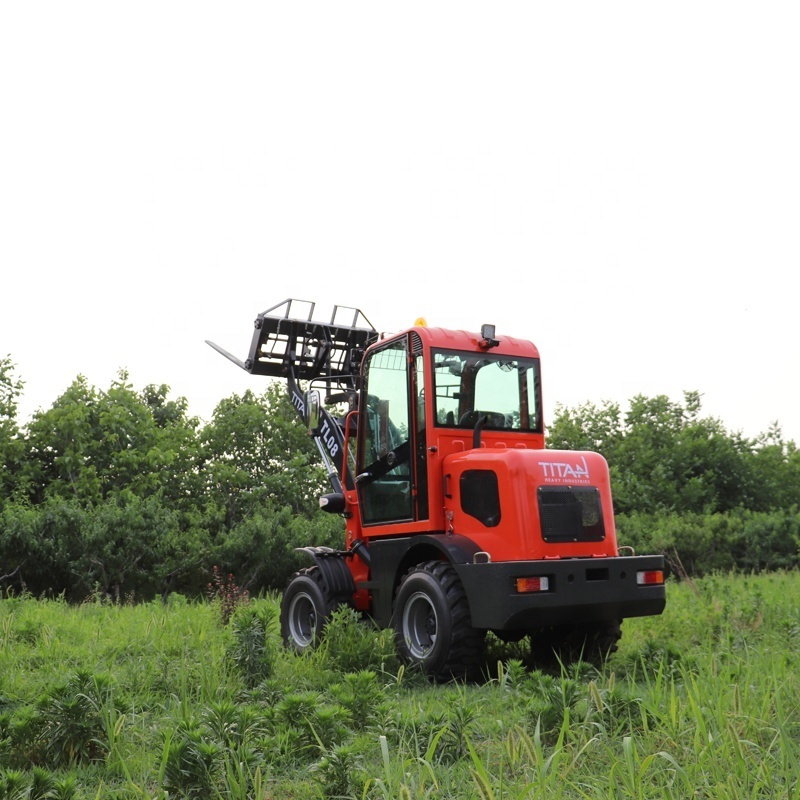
x=457 y=519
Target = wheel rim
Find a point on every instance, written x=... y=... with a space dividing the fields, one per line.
x=302 y=619
x=420 y=625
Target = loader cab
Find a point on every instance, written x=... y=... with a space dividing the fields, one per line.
x=428 y=393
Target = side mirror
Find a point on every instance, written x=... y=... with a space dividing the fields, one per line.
x=313 y=404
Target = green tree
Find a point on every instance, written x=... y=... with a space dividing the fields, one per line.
x=664 y=456
x=10 y=443
x=676 y=460
x=62 y=444
x=587 y=427
x=123 y=490
x=775 y=471
x=40 y=544
x=258 y=452
x=93 y=445
x=110 y=487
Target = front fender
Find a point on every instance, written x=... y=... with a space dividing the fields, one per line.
x=335 y=572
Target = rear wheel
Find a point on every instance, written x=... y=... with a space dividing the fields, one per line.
x=592 y=642
x=305 y=609
x=599 y=640
x=432 y=624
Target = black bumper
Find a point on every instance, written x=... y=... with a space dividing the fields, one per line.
x=580 y=590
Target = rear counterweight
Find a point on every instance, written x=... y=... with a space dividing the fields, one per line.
x=580 y=589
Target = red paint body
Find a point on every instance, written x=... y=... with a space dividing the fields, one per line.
x=518 y=458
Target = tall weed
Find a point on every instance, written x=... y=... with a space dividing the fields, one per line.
x=702 y=700
x=352 y=644
x=254 y=644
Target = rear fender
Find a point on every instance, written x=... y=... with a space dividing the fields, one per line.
x=454 y=548
x=391 y=559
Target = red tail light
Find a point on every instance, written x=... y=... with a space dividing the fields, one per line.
x=527 y=585
x=650 y=577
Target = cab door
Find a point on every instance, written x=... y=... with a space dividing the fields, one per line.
x=388 y=423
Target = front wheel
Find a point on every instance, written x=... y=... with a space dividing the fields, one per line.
x=305 y=610
x=432 y=625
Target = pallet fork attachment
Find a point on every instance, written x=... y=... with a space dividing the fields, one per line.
x=296 y=347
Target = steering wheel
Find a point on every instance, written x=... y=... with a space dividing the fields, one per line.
x=470 y=418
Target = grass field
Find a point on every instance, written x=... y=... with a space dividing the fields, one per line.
x=164 y=700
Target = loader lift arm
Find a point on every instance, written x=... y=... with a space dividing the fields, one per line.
x=295 y=347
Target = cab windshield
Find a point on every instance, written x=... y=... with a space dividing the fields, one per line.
x=469 y=386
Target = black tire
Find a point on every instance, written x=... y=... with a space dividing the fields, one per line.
x=432 y=625
x=592 y=642
x=600 y=639
x=305 y=610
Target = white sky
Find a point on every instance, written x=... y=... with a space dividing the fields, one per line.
x=619 y=182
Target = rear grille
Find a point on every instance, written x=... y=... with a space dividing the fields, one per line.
x=571 y=514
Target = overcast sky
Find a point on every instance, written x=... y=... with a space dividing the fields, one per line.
x=618 y=182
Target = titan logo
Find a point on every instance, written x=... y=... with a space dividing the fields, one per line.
x=298 y=403
x=564 y=471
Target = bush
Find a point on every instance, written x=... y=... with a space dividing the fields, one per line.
x=768 y=541
x=260 y=550
x=698 y=544
x=39 y=544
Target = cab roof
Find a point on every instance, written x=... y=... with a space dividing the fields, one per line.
x=469 y=341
